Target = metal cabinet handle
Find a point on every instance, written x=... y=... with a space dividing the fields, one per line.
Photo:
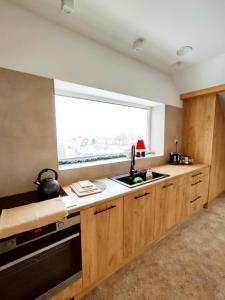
x=195 y=199
x=108 y=208
x=167 y=185
x=196 y=182
x=194 y=175
x=137 y=197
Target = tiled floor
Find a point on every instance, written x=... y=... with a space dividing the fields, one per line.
x=187 y=264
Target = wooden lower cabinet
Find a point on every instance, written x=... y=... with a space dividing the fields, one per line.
x=102 y=240
x=165 y=207
x=115 y=231
x=138 y=220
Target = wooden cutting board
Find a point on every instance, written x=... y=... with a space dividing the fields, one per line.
x=76 y=188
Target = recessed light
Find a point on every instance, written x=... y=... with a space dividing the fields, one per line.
x=138 y=44
x=67 y=6
x=184 y=50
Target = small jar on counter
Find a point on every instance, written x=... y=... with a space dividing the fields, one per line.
x=149 y=174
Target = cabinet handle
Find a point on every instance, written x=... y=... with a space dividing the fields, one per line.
x=167 y=185
x=108 y=208
x=195 y=199
x=137 y=197
x=194 y=175
x=197 y=182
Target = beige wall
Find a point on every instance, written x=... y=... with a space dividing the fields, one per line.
x=27 y=130
x=70 y=175
x=28 y=135
x=173 y=128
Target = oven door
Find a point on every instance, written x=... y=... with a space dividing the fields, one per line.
x=41 y=273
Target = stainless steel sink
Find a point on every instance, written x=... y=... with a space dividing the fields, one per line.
x=127 y=180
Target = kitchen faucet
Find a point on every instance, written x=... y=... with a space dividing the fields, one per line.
x=132 y=169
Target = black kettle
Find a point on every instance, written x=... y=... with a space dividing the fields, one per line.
x=48 y=187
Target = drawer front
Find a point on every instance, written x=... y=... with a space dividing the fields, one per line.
x=198 y=193
x=195 y=205
x=197 y=188
x=197 y=175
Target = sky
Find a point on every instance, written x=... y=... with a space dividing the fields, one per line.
x=78 y=117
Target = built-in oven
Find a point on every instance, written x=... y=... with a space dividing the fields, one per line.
x=37 y=264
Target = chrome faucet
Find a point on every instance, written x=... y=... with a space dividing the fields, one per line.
x=132 y=169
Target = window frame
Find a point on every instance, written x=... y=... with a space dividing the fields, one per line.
x=109 y=101
x=156 y=117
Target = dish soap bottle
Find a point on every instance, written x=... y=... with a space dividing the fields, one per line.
x=149 y=175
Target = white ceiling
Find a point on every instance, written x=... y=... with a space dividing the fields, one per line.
x=165 y=25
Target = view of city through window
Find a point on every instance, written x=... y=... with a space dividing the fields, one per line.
x=90 y=130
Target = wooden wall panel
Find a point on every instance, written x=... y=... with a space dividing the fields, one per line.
x=217 y=173
x=211 y=90
x=198 y=124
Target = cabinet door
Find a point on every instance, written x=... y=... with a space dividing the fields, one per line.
x=165 y=207
x=182 y=200
x=138 y=220
x=102 y=240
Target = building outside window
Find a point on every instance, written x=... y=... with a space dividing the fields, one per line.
x=89 y=129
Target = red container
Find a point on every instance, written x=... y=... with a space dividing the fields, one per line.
x=140 y=148
x=140 y=145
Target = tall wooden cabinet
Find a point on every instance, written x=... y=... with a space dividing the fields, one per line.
x=217 y=174
x=204 y=136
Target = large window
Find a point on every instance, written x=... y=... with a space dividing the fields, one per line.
x=89 y=130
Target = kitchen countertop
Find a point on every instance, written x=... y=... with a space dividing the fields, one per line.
x=115 y=190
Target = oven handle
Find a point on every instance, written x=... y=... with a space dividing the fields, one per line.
x=13 y=263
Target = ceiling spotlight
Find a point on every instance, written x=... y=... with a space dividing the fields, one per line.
x=184 y=50
x=67 y=6
x=177 y=65
x=138 y=44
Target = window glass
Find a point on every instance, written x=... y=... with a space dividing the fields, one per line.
x=90 y=130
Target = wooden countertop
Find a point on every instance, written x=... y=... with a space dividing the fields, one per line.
x=115 y=190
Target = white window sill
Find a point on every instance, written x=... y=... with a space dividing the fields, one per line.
x=104 y=162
